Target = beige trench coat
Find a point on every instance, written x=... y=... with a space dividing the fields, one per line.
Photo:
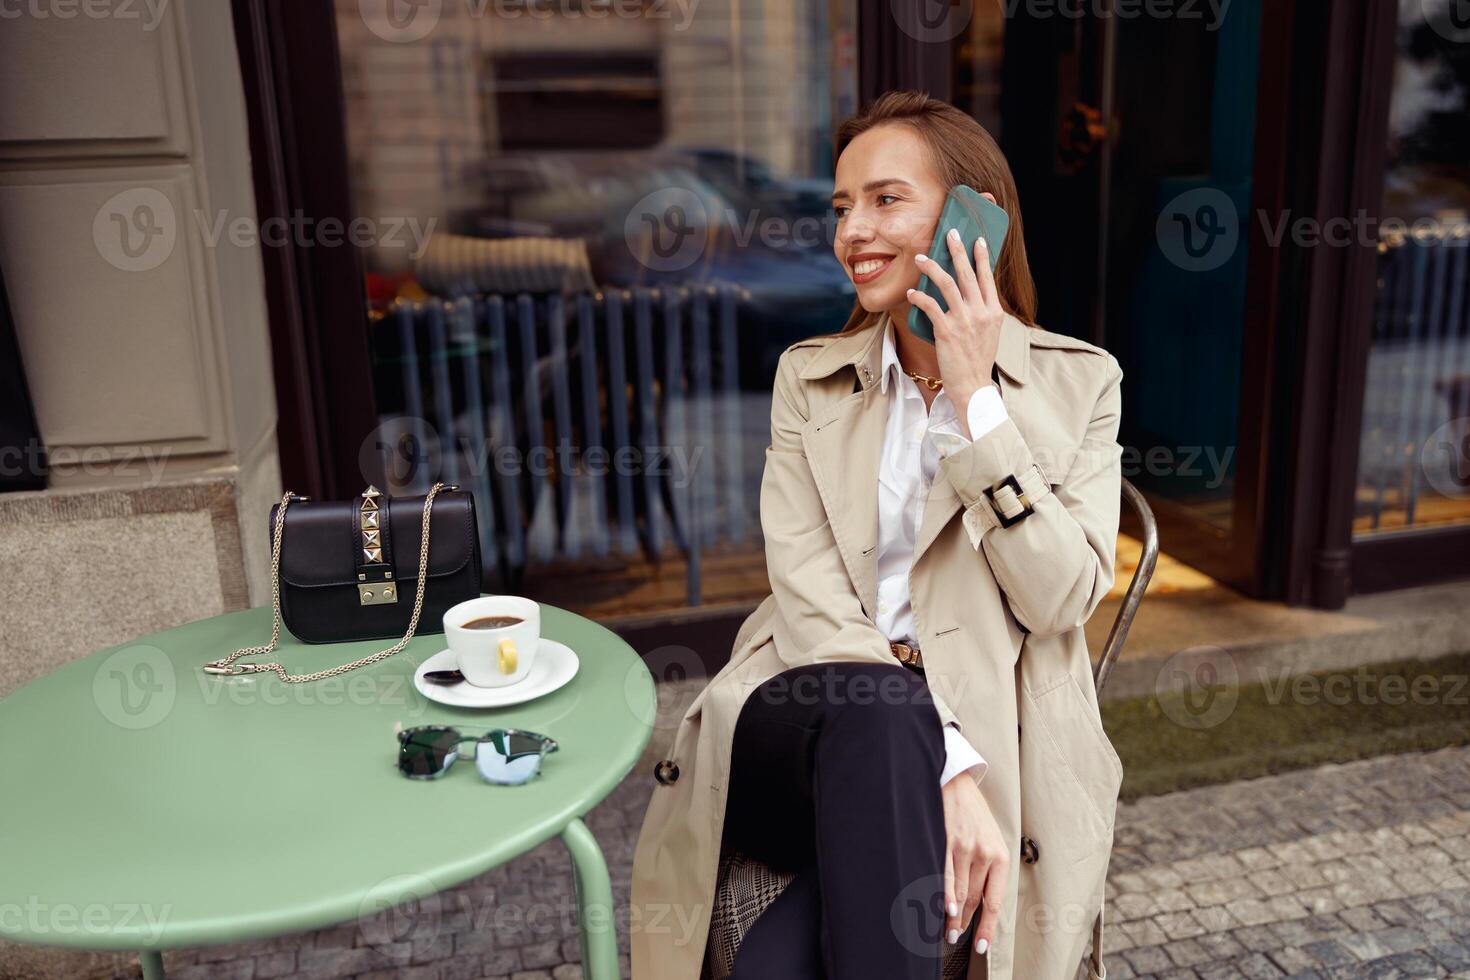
x=998 y=612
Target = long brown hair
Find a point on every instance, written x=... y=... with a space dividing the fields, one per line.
x=961 y=152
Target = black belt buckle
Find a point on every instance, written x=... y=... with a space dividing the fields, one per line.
x=1015 y=485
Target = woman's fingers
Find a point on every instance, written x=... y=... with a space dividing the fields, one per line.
x=963 y=272
x=951 y=898
x=975 y=890
x=930 y=306
x=953 y=298
x=993 y=895
x=989 y=295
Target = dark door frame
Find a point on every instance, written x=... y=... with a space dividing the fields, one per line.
x=315 y=293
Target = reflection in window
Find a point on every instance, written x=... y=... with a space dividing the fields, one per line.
x=1414 y=461
x=609 y=224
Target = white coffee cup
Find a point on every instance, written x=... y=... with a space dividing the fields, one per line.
x=500 y=655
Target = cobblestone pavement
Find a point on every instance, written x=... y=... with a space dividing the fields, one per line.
x=1355 y=870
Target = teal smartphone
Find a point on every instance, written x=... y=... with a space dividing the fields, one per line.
x=974 y=216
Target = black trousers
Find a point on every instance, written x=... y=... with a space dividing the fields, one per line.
x=835 y=776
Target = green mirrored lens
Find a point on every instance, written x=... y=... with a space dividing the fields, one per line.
x=427 y=753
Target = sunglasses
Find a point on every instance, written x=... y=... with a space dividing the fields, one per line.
x=504 y=756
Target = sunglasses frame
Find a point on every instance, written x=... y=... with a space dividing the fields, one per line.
x=548 y=745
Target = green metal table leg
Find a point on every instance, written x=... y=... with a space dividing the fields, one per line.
x=595 y=922
x=152 y=961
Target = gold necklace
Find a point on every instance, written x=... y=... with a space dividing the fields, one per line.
x=925 y=379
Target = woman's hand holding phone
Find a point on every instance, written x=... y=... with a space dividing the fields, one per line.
x=976 y=862
x=967 y=334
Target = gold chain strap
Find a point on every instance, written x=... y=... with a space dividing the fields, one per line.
x=227 y=665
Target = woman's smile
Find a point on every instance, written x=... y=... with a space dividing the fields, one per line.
x=867 y=266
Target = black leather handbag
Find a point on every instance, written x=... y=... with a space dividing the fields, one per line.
x=368 y=568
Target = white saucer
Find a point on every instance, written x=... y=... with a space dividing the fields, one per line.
x=555 y=665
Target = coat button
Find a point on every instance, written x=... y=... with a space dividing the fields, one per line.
x=666 y=772
x=1030 y=853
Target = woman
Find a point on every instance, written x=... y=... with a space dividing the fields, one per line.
x=975 y=520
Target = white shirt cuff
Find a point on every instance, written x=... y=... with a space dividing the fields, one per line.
x=985 y=411
x=959 y=756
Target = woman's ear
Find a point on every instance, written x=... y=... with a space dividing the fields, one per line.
x=989 y=197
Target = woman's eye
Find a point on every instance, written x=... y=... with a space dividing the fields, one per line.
x=839 y=210
x=887 y=197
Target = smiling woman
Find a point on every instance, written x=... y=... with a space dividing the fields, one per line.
x=914 y=700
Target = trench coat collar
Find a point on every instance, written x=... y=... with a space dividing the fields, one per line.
x=844 y=449
x=864 y=348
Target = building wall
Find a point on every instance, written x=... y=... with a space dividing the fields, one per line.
x=127 y=244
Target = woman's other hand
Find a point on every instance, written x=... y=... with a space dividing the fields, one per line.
x=976 y=862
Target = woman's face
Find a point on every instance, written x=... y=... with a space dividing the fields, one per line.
x=887 y=201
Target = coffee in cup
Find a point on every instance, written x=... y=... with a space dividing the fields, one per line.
x=494 y=637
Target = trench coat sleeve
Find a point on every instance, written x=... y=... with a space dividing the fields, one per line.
x=1057 y=563
x=814 y=594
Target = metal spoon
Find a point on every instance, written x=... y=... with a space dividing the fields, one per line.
x=443 y=676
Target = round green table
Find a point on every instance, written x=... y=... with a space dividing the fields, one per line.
x=150 y=806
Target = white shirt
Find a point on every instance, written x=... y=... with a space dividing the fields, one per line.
x=913 y=440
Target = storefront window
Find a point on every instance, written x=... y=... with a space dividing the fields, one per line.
x=1414 y=459
x=613 y=218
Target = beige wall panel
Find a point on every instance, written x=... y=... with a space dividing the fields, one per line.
x=108 y=295
x=83 y=83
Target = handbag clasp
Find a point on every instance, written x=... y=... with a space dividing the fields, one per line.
x=377 y=593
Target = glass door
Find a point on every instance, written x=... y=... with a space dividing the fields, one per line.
x=1131 y=137
x=1414 y=457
